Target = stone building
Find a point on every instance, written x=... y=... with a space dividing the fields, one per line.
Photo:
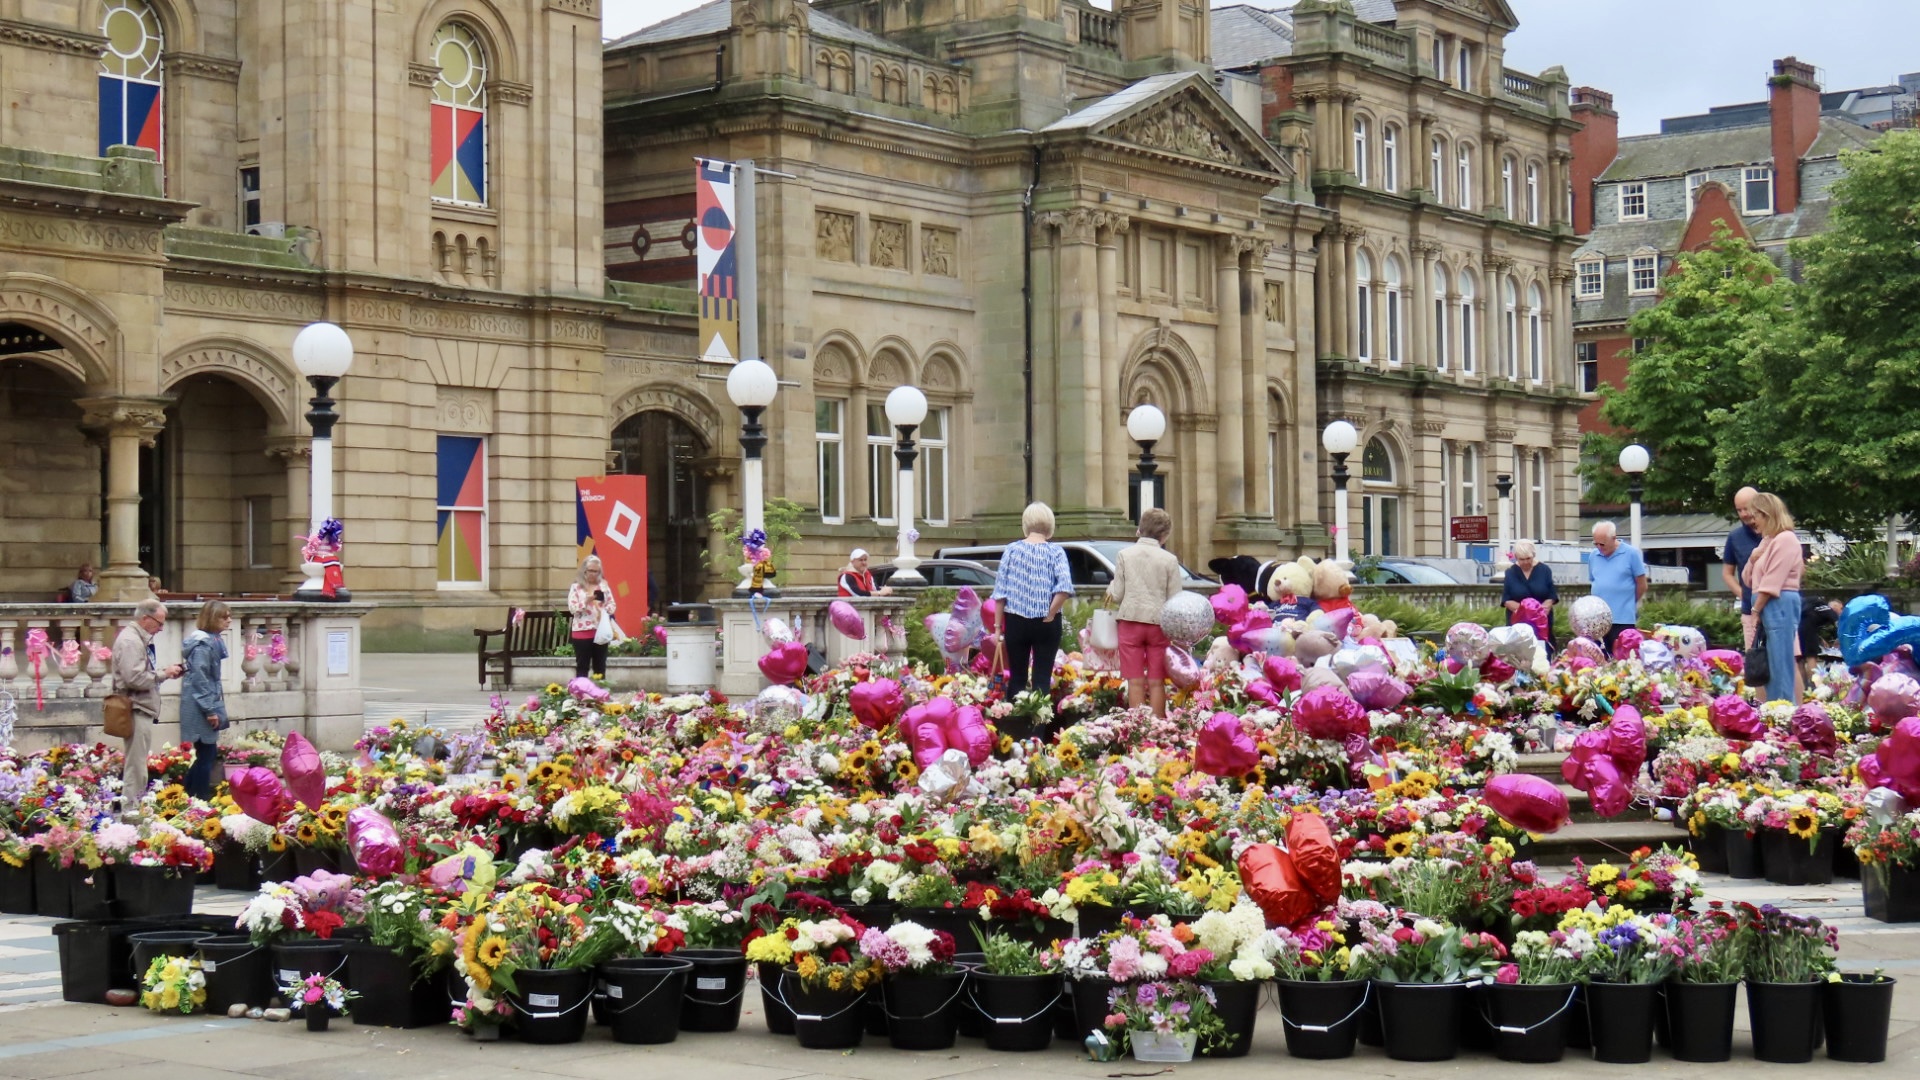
x=1443 y=303
x=918 y=156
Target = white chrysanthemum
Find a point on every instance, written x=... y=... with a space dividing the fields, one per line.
x=883 y=873
x=1245 y=967
x=1152 y=965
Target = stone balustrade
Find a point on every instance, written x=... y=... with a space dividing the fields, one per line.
x=303 y=673
x=805 y=610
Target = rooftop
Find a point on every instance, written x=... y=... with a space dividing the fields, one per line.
x=716 y=16
x=1245 y=34
x=1676 y=154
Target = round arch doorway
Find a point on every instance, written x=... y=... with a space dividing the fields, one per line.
x=663 y=448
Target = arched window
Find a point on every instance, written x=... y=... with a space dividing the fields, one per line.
x=1390 y=157
x=1379 y=504
x=1396 y=327
x=1533 y=194
x=1467 y=325
x=1463 y=176
x=1437 y=169
x=1361 y=138
x=1510 y=203
x=1536 y=335
x=1440 y=320
x=1363 y=302
x=1512 y=324
x=459 y=122
x=130 y=77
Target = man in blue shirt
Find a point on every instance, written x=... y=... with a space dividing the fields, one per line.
x=1741 y=543
x=1619 y=576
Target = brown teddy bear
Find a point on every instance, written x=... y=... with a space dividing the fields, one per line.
x=1332 y=586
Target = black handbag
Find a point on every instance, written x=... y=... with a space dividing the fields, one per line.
x=1758 y=670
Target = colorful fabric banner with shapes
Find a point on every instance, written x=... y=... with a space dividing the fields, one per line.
x=717 y=259
x=462 y=509
x=611 y=514
x=130 y=75
x=129 y=114
x=458 y=132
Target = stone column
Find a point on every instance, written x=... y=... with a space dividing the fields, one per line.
x=1494 y=326
x=1113 y=405
x=1343 y=110
x=1326 y=157
x=1253 y=350
x=128 y=423
x=1325 y=339
x=1491 y=192
x=1560 y=368
x=858 y=505
x=294 y=453
x=1420 y=349
x=1556 y=193
x=1078 y=393
x=1346 y=297
x=1423 y=155
x=719 y=473
x=1229 y=404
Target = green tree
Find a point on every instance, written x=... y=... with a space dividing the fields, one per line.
x=1834 y=423
x=1717 y=306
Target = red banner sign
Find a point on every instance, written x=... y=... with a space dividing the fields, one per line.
x=611 y=521
x=1470 y=530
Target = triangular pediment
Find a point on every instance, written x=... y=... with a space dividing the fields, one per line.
x=1179 y=115
x=1497 y=12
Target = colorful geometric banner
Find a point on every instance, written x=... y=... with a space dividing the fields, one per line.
x=129 y=113
x=717 y=261
x=461 y=506
x=458 y=137
x=610 y=519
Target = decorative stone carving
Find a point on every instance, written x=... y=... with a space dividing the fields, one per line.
x=1080 y=226
x=937 y=250
x=423 y=74
x=888 y=250
x=232 y=357
x=219 y=298
x=33 y=229
x=463 y=410
x=1426 y=249
x=1180 y=129
x=142 y=416
x=477 y=364
x=35 y=36
x=1353 y=234
x=833 y=236
x=1045 y=222
x=509 y=93
x=70 y=321
x=1116 y=223
x=1276 y=303
x=586 y=9
x=208 y=67
x=698 y=414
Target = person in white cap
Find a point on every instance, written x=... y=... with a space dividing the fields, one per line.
x=856 y=579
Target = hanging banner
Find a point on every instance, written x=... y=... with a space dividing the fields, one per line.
x=610 y=519
x=718 y=261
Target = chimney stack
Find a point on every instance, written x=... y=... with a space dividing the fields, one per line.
x=1595 y=146
x=1793 y=107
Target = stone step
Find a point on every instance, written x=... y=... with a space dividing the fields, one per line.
x=1547 y=765
x=1612 y=841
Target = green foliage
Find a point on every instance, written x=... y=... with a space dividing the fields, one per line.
x=1833 y=424
x=920 y=644
x=783 y=528
x=1718 y=619
x=1861 y=564
x=1714 y=310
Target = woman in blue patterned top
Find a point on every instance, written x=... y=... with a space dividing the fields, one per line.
x=1034 y=584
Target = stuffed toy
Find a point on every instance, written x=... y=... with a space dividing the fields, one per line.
x=1331 y=586
x=1367 y=626
x=1311 y=645
x=1221 y=655
x=322 y=557
x=1289 y=589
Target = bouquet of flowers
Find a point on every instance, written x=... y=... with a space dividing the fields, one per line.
x=531 y=926
x=1421 y=950
x=1316 y=954
x=1545 y=958
x=1236 y=939
x=318 y=904
x=1666 y=879
x=1633 y=950
x=713 y=925
x=825 y=953
x=174 y=984
x=401 y=915
x=1708 y=948
x=1166 y=1008
x=1786 y=948
x=1006 y=955
x=644 y=931
x=908 y=947
x=318 y=991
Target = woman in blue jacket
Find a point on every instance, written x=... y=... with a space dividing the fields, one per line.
x=203 y=700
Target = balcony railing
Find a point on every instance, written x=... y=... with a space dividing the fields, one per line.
x=1381 y=42
x=1099 y=29
x=1523 y=87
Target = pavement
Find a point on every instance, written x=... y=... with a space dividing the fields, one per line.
x=44 y=1037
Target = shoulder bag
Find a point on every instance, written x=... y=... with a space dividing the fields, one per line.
x=117 y=710
x=1758 y=670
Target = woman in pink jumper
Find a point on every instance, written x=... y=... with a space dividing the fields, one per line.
x=1773 y=573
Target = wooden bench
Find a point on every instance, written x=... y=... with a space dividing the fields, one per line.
x=538 y=633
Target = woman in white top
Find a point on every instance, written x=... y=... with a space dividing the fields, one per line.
x=587 y=598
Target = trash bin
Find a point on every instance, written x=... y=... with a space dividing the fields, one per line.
x=692 y=632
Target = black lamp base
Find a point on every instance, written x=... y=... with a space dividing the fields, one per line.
x=311 y=596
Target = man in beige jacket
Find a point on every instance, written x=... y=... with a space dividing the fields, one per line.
x=136 y=674
x=1145 y=578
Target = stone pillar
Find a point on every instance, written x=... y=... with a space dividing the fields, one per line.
x=1423 y=157
x=1343 y=131
x=1490 y=188
x=1560 y=367
x=1326 y=157
x=1556 y=192
x=1079 y=392
x=1253 y=352
x=1326 y=339
x=856 y=448
x=295 y=454
x=1420 y=349
x=1113 y=403
x=128 y=423
x=1494 y=327
x=1230 y=479
x=1346 y=297
x=719 y=473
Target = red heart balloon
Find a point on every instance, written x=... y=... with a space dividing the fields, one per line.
x=877 y=703
x=784 y=663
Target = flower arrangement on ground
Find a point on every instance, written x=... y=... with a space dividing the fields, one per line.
x=1782 y=947
x=318 y=992
x=1176 y=1007
x=174 y=984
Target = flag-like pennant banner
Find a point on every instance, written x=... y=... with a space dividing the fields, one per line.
x=718 y=261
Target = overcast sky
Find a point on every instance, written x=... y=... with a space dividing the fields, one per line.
x=1657 y=57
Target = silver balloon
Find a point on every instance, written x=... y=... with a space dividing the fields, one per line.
x=777 y=706
x=1591 y=617
x=1884 y=807
x=1468 y=643
x=1186 y=618
x=1656 y=655
x=1514 y=644
x=1351 y=659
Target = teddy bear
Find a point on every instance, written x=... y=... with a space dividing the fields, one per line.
x=1369 y=626
x=1289 y=589
x=1332 y=585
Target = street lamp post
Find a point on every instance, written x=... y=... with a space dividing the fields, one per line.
x=1145 y=425
x=906 y=409
x=751 y=385
x=1633 y=461
x=1503 y=484
x=1339 y=439
x=323 y=352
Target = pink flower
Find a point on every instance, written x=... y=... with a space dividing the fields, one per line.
x=1123 y=960
x=1507 y=975
x=1188 y=964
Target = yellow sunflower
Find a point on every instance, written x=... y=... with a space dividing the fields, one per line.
x=906 y=771
x=1400 y=845
x=492 y=951
x=1803 y=823
x=553 y=688
x=277 y=843
x=210 y=829
x=306 y=833
x=1069 y=756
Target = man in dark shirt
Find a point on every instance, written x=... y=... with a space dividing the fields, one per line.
x=1741 y=543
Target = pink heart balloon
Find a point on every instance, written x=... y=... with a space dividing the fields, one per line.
x=1375 y=689
x=786 y=662
x=1735 y=718
x=990 y=615
x=1893 y=697
x=847 y=620
x=1531 y=802
x=1587 y=747
x=1899 y=758
x=1812 y=728
x=1281 y=672
x=1229 y=604
x=876 y=703
x=260 y=795
x=1627 y=644
x=1627 y=740
x=306 y=777
x=1182 y=668
x=374 y=842
x=1327 y=713
x=1254 y=620
x=1610 y=794
x=968 y=731
x=1224 y=748
x=1262 y=691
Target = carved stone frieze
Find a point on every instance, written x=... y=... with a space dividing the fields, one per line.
x=833 y=236
x=207 y=67
x=509 y=93
x=887 y=249
x=1180 y=129
x=426 y=75
x=34 y=229
x=36 y=36
x=586 y=9
x=141 y=416
x=938 y=250
x=465 y=410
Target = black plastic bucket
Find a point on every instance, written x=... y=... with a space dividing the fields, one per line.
x=644 y=997
x=714 y=988
x=1017 y=1009
x=392 y=991
x=1700 y=1018
x=96 y=957
x=1322 y=1019
x=149 y=892
x=52 y=895
x=90 y=892
x=1784 y=1018
x=1421 y=1021
x=1621 y=1017
x=153 y=943
x=550 y=1006
x=16 y=889
x=779 y=1016
x=1529 y=1021
x=1743 y=854
x=1089 y=1003
x=238 y=972
x=824 y=1019
x=294 y=960
x=923 y=1011
x=1237 y=1003
x=970 y=1024
x=236 y=869
x=1858 y=1008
